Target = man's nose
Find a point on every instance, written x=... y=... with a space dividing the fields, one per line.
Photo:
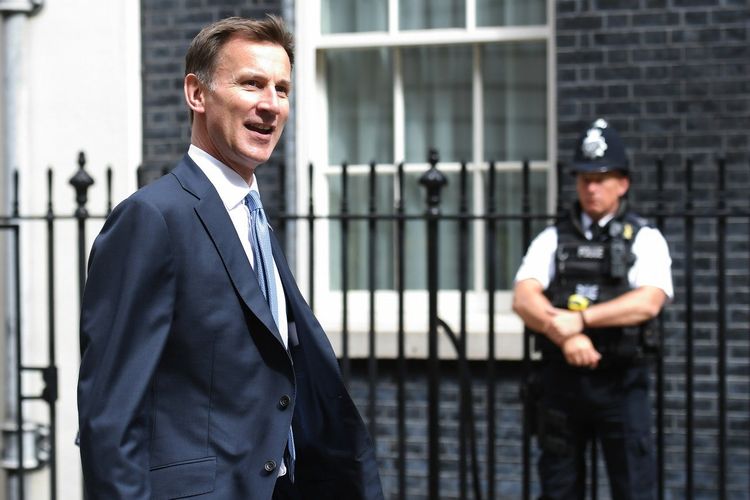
x=269 y=100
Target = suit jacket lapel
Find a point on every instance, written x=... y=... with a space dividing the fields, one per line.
x=306 y=324
x=215 y=219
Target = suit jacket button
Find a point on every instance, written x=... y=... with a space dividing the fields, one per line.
x=269 y=466
x=284 y=401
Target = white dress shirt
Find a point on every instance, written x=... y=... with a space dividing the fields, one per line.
x=652 y=265
x=232 y=190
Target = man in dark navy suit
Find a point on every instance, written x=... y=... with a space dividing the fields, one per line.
x=204 y=373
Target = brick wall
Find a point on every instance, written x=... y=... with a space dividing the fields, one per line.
x=507 y=477
x=167 y=27
x=671 y=75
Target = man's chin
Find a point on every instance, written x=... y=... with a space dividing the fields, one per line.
x=258 y=156
x=257 y=161
x=595 y=214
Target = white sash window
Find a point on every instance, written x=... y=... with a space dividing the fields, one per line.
x=385 y=81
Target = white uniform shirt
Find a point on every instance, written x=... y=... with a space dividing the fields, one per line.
x=652 y=265
x=232 y=190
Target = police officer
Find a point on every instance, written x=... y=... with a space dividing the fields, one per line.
x=590 y=286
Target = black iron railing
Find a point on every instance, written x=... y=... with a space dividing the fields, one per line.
x=710 y=243
x=651 y=201
x=34 y=446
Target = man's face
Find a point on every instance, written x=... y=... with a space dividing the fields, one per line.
x=247 y=103
x=599 y=193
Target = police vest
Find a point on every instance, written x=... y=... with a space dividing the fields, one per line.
x=591 y=271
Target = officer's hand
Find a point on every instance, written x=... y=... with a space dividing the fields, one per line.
x=579 y=351
x=564 y=324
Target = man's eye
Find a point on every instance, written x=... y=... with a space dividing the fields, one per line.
x=252 y=83
x=283 y=91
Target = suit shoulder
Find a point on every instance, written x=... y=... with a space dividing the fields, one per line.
x=159 y=195
x=161 y=188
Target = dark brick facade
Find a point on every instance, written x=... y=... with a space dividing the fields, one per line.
x=508 y=412
x=672 y=76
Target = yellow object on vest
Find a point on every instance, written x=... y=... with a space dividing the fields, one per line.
x=577 y=302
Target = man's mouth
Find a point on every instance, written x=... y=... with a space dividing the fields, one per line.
x=259 y=128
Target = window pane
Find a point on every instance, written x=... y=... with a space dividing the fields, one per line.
x=509 y=234
x=415 y=243
x=437 y=102
x=360 y=106
x=449 y=242
x=511 y=12
x=426 y=14
x=358 y=241
x=347 y=16
x=515 y=101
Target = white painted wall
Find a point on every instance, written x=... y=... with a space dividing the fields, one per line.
x=82 y=91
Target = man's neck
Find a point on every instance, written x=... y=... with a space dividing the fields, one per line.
x=200 y=139
x=247 y=174
x=196 y=152
x=601 y=221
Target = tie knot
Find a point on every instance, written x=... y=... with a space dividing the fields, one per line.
x=596 y=231
x=253 y=201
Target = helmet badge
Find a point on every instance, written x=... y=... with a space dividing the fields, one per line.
x=594 y=145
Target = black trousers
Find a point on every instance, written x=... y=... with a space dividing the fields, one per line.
x=285 y=489
x=611 y=404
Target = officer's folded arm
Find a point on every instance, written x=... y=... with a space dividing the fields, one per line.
x=538 y=314
x=631 y=308
x=565 y=328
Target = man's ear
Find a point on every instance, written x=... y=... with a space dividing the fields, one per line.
x=624 y=185
x=195 y=93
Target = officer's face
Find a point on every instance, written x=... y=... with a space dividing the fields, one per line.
x=599 y=193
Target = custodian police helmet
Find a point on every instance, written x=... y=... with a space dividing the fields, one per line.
x=600 y=149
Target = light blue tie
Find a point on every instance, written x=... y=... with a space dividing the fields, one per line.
x=262 y=255
x=260 y=241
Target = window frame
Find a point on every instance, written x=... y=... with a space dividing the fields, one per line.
x=311 y=129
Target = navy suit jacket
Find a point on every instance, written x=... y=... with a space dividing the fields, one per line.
x=185 y=387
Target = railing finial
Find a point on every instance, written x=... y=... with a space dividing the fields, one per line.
x=81 y=181
x=434 y=181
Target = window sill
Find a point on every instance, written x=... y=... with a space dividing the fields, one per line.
x=508 y=341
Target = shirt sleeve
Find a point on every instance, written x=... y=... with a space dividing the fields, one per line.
x=653 y=264
x=539 y=261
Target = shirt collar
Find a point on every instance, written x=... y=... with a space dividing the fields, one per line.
x=231 y=187
x=586 y=221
